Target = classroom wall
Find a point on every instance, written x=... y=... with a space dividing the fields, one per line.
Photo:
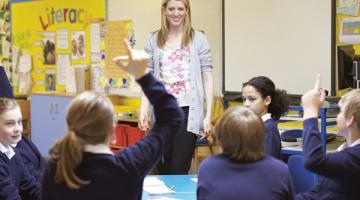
x=206 y=16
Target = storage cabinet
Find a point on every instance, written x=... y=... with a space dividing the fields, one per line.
x=48 y=120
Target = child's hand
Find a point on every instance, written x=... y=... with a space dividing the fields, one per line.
x=136 y=63
x=313 y=100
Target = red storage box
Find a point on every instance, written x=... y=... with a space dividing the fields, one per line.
x=120 y=135
x=133 y=134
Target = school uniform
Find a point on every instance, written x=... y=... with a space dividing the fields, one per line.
x=32 y=158
x=339 y=172
x=272 y=137
x=121 y=176
x=15 y=180
x=5 y=88
x=27 y=150
x=222 y=178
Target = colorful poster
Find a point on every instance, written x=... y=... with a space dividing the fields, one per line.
x=350 y=30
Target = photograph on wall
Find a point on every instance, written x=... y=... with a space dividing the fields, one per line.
x=50 y=80
x=49 y=48
x=78 y=45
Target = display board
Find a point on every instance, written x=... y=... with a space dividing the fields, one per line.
x=55 y=34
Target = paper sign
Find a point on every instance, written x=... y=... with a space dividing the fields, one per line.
x=25 y=63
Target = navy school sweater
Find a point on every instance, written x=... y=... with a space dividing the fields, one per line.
x=15 y=180
x=272 y=139
x=32 y=158
x=222 y=178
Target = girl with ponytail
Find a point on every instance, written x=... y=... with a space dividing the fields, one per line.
x=82 y=165
x=261 y=95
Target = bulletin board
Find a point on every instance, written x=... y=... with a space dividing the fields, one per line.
x=55 y=30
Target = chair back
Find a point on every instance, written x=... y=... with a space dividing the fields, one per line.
x=302 y=178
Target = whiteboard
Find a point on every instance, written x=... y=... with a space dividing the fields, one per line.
x=287 y=40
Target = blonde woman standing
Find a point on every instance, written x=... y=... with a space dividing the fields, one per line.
x=180 y=58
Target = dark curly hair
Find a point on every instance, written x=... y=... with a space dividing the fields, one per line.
x=266 y=87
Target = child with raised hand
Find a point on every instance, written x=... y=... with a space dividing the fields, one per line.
x=339 y=172
x=82 y=165
x=15 y=180
x=243 y=171
x=261 y=95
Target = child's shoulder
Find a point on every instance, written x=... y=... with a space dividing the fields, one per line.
x=213 y=161
x=272 y=163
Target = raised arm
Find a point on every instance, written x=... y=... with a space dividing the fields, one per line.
x=344 y=164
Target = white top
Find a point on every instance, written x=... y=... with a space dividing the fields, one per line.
x=97 y=149
x=266 y=117
x=344 y=145
x=175 y=72
x=9 y=152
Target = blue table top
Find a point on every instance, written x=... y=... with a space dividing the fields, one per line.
x=184 y=187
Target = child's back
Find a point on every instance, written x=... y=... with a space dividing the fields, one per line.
x=221 y=178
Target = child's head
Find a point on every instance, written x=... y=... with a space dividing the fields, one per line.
x=260 y=95
x=349 y=107
x=241 y=133
x=10 y=122
x=90 y=120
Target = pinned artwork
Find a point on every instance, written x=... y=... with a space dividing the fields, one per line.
x=78 y=45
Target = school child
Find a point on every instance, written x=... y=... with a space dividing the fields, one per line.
x=242 y=171
x=339 y=172
x=260 y=95
x=15 y=180
x=82 y=165
x=29 y=153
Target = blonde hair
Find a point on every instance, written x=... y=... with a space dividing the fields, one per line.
x=7 y=104
x=164 y=30
x=351 y=103
x=90 y=121
x=241 y=133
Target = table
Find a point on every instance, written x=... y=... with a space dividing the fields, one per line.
x=184 y=187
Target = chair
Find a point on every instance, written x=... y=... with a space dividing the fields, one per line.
x=302 y=179
x=296 y=133
x=203 y=149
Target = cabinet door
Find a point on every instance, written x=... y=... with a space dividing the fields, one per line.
x=48 y=121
